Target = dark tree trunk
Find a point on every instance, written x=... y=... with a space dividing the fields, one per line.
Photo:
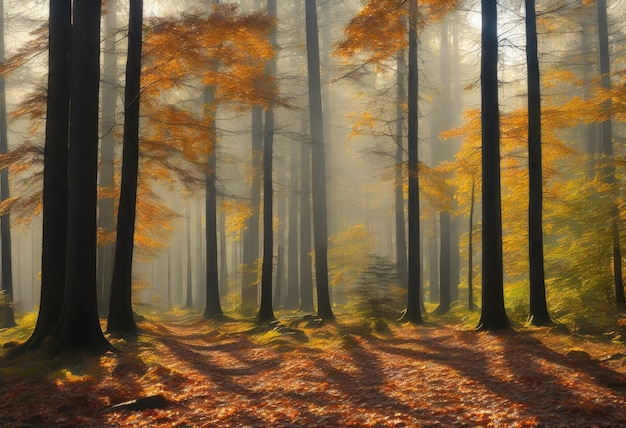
x=538 y=306
x=5 y=220
x=414 y=298
x=213 y=307
x=401 y=260
x=266 y=311
x=320 y=212
x=306 y=272
x=78 y=325
x=121 y=320
x=607 y=150
x=109 y=88
x=293 y=286
x=493 y=316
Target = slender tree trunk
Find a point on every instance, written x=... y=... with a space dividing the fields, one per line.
x=279 y=288
x=433 y=262
x=78 y=325
x=414 y=298
x=401 y=258
x=293 y=285
x=444 y=263
x=320 y=212
x=493 y=315
x=121 y=320
x=607 y=150
x=213 y=307
x=106 y=222
x=538 y=306
x=266 y=311
x=223 y=255
x=5 y=220
x=306 y=272
x=251 y=237
x=470 y=251
x=189 y=292
x=200 y=257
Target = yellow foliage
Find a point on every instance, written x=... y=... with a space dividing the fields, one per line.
x=347 y=254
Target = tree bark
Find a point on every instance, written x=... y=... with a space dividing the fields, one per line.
x=266 y=311
x=608 y=169
x=293 y=283
x=493 y=315
x=106 y=204
x=320 y=212
x=5 y=220
x=78 y=325
x=414 y=298
x=249 y=287
x=538 y=306
x=213 y=307
x=306 y=272
x=401 y=257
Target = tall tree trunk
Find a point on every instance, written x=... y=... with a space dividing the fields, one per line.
x=414 y=298
x=320 y=212
x=433 y=262
x=251 y=237
x=106 y=204
x=189 y=291
x=401 y=260
x=279 y=288
x=607 y=150
x=213 y=307
x=493 y=316
x=79 y=326
x=121 y=320
x=538 y=306
x=306 y=272
x=293 y=286
x=470 y=251
x=266 y=311
x=5 y=220
x=200 y=256
x=223 y=255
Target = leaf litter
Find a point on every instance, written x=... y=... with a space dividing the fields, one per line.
x=229 y=374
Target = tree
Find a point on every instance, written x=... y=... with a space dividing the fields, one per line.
x=78 y=324
x=5 y=219
x=538 y=306
x=121 y=320
x=414 y=280
x=266 y=312
x=106 y=204
x=401 y=256
x=320 y=213
x=293 y=286
x=54 y=233
x=306 y=274
x=608 y=169
x=493 y=315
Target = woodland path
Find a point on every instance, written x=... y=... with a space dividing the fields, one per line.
x=231 y=374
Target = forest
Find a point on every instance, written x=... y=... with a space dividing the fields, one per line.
x=306 y=213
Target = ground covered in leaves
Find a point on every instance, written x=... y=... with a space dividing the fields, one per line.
x=342 y=374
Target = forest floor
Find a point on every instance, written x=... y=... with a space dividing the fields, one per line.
x=227 y=374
